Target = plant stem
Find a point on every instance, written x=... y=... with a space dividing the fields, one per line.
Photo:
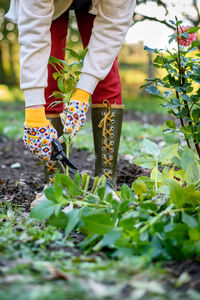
x=197 y=148
x=85 y=189
x=182 y=83
x=84 y=203
x=181 y=120
x=156 y=177
x=190 y=123
x=156 y=218
x=68 y=142
x=180 y=73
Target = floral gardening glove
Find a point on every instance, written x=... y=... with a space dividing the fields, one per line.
x=38 y=136
x=75 y=113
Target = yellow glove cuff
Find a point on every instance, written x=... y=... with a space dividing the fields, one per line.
x=35 y=117
x=81 y=95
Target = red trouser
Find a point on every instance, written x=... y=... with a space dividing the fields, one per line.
x=108 y=88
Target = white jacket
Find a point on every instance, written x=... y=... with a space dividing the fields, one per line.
x=34 y=17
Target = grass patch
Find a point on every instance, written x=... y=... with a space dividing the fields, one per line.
x=12 y=119
x=145 y=105
x=133 y=134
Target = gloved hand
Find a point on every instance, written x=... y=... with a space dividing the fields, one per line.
x=38 y=133
x=75 y=112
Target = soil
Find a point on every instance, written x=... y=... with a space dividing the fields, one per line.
x=22 y=176
x=191 y=267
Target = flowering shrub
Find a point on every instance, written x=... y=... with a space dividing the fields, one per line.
x=185 y=40
x=182 y=82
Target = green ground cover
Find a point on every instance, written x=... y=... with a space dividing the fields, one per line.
x=39 y=262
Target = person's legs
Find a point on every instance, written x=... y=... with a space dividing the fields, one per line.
x=109 y=88
x=107 y=112
x=59 y=28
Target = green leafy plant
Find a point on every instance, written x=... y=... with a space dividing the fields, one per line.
x=67 y=75
x=158 y=217
x=182 y=82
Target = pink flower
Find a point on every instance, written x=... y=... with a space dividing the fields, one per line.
x=185 y=41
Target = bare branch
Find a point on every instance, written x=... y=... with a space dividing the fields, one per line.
x=197 y=9
x=139 y=18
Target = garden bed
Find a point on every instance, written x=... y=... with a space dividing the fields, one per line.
x=22 y=176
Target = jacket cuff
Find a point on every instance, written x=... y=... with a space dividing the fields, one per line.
x=87 y=83
x=34 y=97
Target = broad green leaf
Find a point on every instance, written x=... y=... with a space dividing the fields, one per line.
x=111 y=237
x=173 y=36
x=123 y=252
x=171 y=124
x=72 y=188
x=152 y=90
x=189 y=220
x=43 y=210
x=156 y=247
x=49 y=193
x=156 y=175
x=186 y=97
x=183 y=195
x=167 y=94
x=167 y=174
x=61 y=85
x=77 y=178
x=58 y=190
x=145 y=161
x=151 y=148
x=89 y=242
x=196 y=114
x=59 y=221
x=98 y=223
x=101 y=192
x=128 y=221
x=187 y=157
x=188 y=248
x=57 y=61
x=139 y=187
x=159 y=59
x=195 y=44
x=190 y=176
x=125 y=192
x=178 y=233
x=193 y=29
x=167 y=153
x=194 y=234
x=83 y=53
x=73 y=218
x=73 y=53
x=176 y=193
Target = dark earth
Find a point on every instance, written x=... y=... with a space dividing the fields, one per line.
x=20 y=182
